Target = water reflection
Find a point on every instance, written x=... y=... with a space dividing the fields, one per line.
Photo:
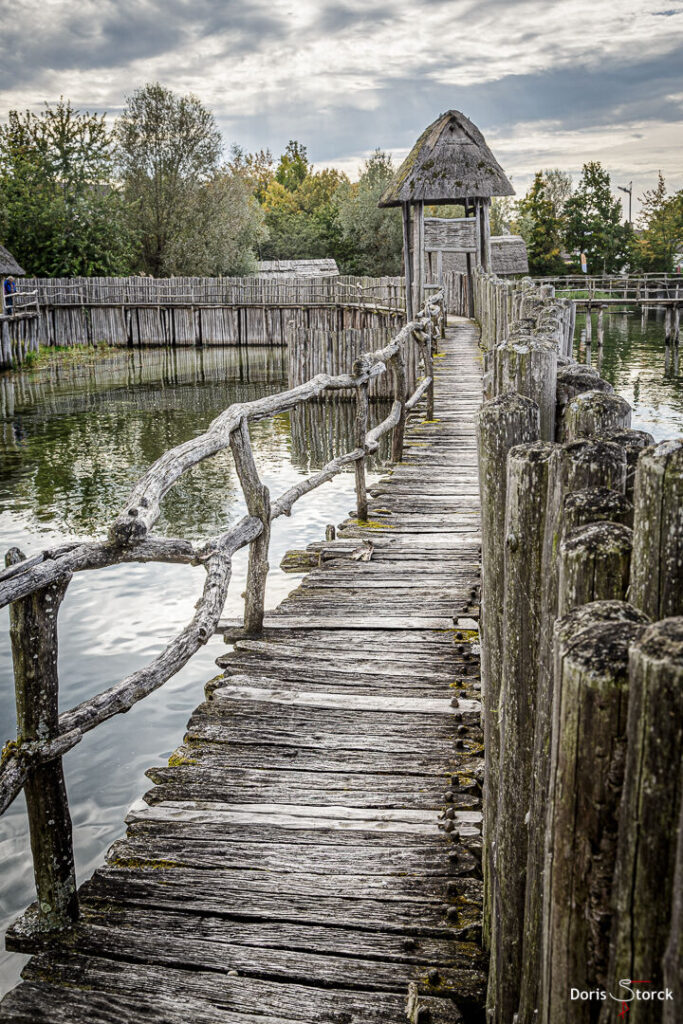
x=73 y=440
x=642 y=369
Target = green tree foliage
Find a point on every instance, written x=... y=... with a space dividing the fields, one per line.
x=191 y=216
x=661 y=224
x=558 y=189
x=294 y=167
x=502 y=215
x=594 y=226
x=302 y=219
x=541 y=228
x=60 y=214
x=374 y=237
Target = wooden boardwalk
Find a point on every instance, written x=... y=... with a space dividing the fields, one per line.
x=313 y=847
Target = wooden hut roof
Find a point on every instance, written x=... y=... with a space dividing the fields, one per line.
x=448 y=163
x=509 y=255
x=8 y=264
x=298 y=268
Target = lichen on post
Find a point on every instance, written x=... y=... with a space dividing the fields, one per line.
x=527 y=488
x=502 y=423
x=591 y=413
x=590 y=714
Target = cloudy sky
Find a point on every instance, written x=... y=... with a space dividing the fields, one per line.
x=549 y=83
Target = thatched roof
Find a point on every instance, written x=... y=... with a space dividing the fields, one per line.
x=509 y=255
x=298 y=268
x=8 y=264
x=448 y=163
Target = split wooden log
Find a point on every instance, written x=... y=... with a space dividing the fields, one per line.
x=527 y=489
x=657 y=564
x=574 y=466
x=529 y=367
x=502 y=423
x=591 y=413
x=649 y=812
x=33 y=632
x=595 y=561
x=590 y=713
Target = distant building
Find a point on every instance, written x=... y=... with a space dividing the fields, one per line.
x=297 y=268
x=447 y=244
x=8 y=268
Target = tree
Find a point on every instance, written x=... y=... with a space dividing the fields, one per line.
x=59 y=212
x=540 y=228
x=293 y=167
x=558 y=189
x=593 y=223
x=256 y=169
x=661 y=224
x=191 y=215
x=374 y=236
x=501 y=215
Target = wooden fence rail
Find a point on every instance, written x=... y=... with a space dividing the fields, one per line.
x=35 y=587
x=582 y=547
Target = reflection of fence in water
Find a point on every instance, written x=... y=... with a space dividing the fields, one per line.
x=324 y=429
x=327 y=351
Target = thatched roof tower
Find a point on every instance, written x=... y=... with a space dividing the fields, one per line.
x=449 y=163
x=8 y=264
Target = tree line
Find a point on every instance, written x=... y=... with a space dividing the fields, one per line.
x=153 y=194
x=559 y=222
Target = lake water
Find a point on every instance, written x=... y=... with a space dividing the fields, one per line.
x=73 y=439
x=634 y=361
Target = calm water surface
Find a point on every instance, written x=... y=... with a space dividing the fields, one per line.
x=73 y=440
x=635 y=361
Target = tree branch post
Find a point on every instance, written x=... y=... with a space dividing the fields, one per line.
x=257 y=497
x=33 y=632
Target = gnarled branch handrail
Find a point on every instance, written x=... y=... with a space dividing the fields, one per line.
x=28 y=584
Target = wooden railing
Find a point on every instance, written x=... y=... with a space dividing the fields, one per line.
x=35 y=588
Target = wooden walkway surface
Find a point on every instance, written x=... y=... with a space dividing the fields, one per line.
x=314 y=845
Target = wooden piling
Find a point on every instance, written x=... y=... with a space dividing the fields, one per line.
x=527 y=488
x=33 y=632
x=502 y=423
x=596 y=504
x=573 y=380
x=649 y=813
x=595 y=561
x=574 y=466
x=590 y=714
x=633 y=442
x=529 y=367
x=657 y=564
x=591 y=413
x=673 y=957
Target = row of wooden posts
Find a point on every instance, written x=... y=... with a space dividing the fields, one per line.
x=35 y=587
x=582 y=672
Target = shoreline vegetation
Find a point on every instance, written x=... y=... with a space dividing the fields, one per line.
x=154 y=193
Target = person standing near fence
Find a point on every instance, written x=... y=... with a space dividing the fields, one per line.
x=9 y=287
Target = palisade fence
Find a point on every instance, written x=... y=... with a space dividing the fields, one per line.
x=582 y=673
x=35 y=588
x=209 y=311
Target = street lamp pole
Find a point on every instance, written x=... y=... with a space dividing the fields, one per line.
x=629 y=193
